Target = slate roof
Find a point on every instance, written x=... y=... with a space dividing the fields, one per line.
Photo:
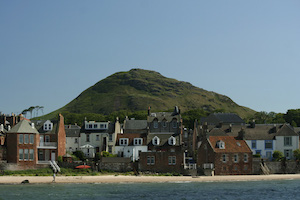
x=72 y=130
x=263 y=131
x=23 y=127
x=225 y=118
x=164 y=137
x=160 y=116
x=135 y=124
x=39 y=125
x=231 y=145
x=110 y=129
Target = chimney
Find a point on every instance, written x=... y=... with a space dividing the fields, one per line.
x=32 y=125
x=1 y=127
x=8 y=128
x=149 y=110
x=242 y=134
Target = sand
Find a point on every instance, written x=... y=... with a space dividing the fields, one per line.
x=142 y=179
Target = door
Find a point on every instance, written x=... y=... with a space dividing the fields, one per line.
x=53 y=155
x=41 y=140
x=47 y=155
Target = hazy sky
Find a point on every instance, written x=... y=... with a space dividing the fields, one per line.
x=51 y=51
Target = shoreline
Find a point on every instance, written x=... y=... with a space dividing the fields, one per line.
x=143 y=179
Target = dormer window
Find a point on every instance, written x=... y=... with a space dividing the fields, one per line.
x=155 y=141
x=172 y=141
x=174 y=123
x=123 y=141
x=164 y=123
x=155 y=123
x=221 y=144
x=48 y=125
x=138 y=141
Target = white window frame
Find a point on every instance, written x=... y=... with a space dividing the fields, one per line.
x=224 y=158
x=21 y=139
x=172 y=160
x=150 y=160
x=138 y=141
x=31 y=139
x=26 y=154
x=246 y=158
x=172 y=141
x=155 y=141
x=155 y=123
x=26 y=138
x=235 y=158
x=123 y=141
x=21 y=154
x=31 y=154
x=288 y=141
x=97 y=137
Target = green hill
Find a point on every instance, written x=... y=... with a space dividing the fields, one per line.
x=138 y=89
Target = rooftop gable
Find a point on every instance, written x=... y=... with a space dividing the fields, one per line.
x=232 y=145
x=23 y=127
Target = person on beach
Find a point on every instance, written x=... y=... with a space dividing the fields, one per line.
x=54 y=177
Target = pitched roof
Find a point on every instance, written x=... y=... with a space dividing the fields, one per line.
x=23 y=127
x=39 y=125
x=231 y=145
x=164 y=137
x=160 y=116
x=72 y=130
x=131 y=137
x=226 y=118
x=135 y=124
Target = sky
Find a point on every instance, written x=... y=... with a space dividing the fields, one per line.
x=51 y=51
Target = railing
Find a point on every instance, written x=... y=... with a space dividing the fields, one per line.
x=48 y=144
x=190 y=166
x=208 y=166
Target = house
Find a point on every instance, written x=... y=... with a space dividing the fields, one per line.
x=52 y=139
x=2 y=142
x=164 y=141
x=72 y=137
x=22 y=145
x=264 y=139
x=224 y=155
x=132 y=140
x=95 y=137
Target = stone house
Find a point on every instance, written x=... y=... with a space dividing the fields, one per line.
x=224 y=155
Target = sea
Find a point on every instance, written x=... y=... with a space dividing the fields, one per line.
x=253 y=190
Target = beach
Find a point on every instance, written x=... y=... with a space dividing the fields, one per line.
x=142 y=179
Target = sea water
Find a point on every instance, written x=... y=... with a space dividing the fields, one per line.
x=253 y=190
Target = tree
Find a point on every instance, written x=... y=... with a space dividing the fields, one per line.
x=80 y=155
x=296 y=154
x=31 y=110
x=277 y=155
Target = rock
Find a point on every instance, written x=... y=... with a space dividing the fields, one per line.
x=25 y=181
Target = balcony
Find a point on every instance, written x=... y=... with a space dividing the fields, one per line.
x=48 y=145
x=190 y=166
x=208 y=166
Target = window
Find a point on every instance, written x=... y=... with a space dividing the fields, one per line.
x=221 y=144
x=110 y=137
x=88 y=138
x=268 y=144
x=174 y=123
x=258 y=152
x=138 y=141
x=76 y=140
x=31 y=140
x=123 y=141
x=26 y=138
x=49 y=127
x=224 y=159
x=164 y=123
x=26 y=156
x=155 y=123
x=155 y=140
x=95 y=126
x=21 y=139
x=31 y=155
x=246 y=157
x=47 y=138
x=45 y=126
x=150 y=160
x=288 y=141
x=90 y=126
x=235 y=158
x=172 y=160
x=288 y=153
x=253 y=144
x=97 y=137
x=21 y=155
x=172 y=141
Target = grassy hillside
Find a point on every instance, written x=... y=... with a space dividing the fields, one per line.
x=138 y=89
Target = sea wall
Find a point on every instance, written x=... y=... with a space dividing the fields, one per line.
x=117 y=164
x=277 y=167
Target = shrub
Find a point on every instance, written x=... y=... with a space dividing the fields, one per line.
x=297 y=154
x=79 y=155
x=277 y=155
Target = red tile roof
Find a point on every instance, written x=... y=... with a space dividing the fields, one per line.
x=231 y=144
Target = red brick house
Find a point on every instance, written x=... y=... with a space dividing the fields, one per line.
x=225 y=155
x=22 y=142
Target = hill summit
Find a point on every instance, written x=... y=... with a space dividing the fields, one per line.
x=138 y=89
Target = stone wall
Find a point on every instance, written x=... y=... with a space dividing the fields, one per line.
x=277 y=167
x=117 y=164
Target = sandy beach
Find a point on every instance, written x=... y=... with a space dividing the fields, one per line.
x=142 y=179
